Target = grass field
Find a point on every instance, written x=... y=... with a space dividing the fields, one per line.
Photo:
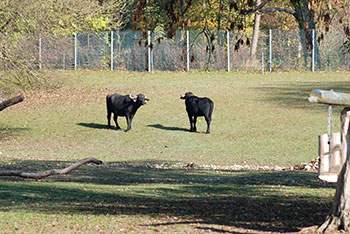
x=257 y=120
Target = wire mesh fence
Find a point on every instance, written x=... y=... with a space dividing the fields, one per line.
x=277 y=50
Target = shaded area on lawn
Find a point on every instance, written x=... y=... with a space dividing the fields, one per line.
x=295 y=95
x=7 y=132
x=260 y=200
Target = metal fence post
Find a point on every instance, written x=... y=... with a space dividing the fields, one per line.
x=262 y=63
x=64 y=60
x=40 y=54
x=75 y=52
x=188 y=50
x=228 y=50
x=149 y=50
x=152 y=61
x=313 y=51
x=270 y=49
x=112 y=68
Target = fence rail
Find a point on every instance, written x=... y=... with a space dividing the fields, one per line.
x=188 y=50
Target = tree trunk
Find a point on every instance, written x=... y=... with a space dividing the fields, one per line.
x=339 y=217
x=255 y=32
x=306 y=24
x=11 y=101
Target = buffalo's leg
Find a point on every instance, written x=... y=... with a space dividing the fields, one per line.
x=191 y=122
x=109 y=114
x=194 y=123
x=208 y=119
x=128 y=121
x=115 y=117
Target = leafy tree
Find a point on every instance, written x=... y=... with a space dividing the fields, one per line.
x=210 y=16
x=205 y=16
x=22 y=21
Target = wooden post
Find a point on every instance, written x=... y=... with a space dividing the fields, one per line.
x=336 y=159
x=323 y=152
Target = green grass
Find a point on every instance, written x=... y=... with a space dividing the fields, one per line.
x=99 y=199
x=257 y=120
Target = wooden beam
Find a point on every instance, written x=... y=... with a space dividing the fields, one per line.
x=329 y=97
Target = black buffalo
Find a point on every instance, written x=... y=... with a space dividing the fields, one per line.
x=123 y=105
x=195 y=107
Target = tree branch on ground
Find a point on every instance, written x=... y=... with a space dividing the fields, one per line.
x=11 y=101
x=40 y=175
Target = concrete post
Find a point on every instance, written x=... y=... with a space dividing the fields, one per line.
x=188 y=50
x=112 y=48
x=270 y=49
x=75 y=52
x=228 y=50
x=313 y=51
x=149 y=51
x=40 y=66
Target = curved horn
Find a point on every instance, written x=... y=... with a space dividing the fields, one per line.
x=134 y=98
x=146 y=98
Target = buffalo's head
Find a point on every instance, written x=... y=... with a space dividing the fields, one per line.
x=187 y=95
x=140 y=98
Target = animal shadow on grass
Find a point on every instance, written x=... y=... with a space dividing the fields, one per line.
x=159 y=126
x=93 y=125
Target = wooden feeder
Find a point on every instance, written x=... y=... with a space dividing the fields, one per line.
x=330 y=155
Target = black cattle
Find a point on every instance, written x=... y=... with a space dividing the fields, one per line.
x=123 y=105
x=195 y=107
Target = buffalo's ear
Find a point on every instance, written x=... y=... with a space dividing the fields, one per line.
x=134 y=98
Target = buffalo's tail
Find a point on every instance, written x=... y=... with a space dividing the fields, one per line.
x=211 y=108
x=109 y=109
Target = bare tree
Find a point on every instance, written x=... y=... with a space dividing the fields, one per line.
x=255 y=37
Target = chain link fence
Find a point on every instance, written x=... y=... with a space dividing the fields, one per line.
x=277 y=50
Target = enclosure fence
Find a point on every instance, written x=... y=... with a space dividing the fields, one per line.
x=277 y=50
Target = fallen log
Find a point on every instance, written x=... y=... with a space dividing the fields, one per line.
x=39 y=175
x=11 y=101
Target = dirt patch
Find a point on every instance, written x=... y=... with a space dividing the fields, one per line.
x=63 y=96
